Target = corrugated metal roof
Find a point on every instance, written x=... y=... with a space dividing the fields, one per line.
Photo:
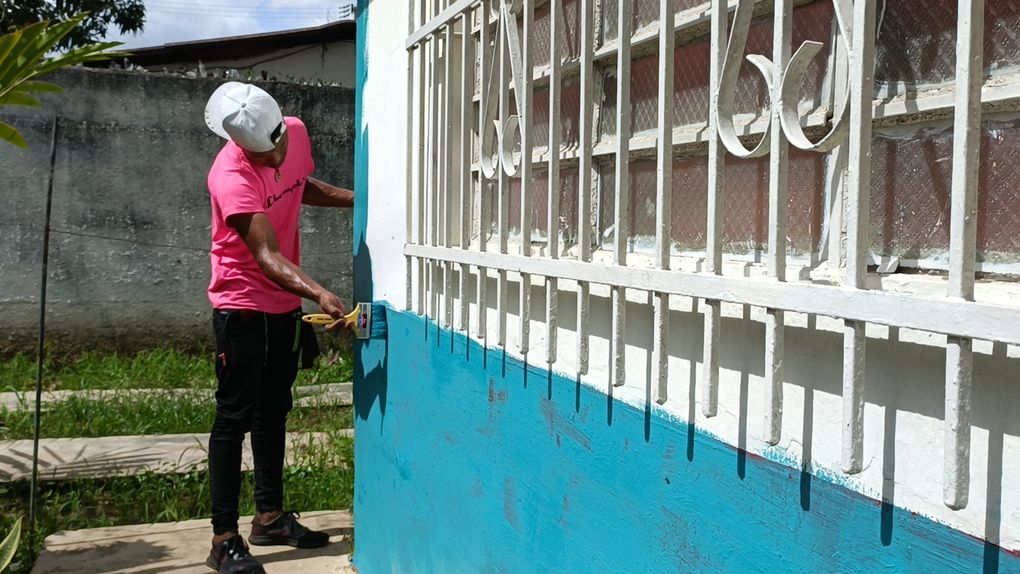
x=235 y=47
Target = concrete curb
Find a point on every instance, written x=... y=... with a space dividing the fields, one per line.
x=71 y=458
x=340 y=394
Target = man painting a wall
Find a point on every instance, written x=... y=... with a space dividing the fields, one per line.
x=257 y=185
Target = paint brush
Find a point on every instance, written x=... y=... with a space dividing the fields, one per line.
x=366 y=320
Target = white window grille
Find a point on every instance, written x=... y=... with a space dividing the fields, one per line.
x=687 y=143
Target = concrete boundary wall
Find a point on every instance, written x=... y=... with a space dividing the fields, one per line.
x=129 y=250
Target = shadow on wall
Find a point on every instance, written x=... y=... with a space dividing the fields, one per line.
x=468 y=433
x=370 y=364
x=814 y=364
x=371 y=356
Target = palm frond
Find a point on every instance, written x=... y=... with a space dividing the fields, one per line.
x=10 y=545
x=23 y=58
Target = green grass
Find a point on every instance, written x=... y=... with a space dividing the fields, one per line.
x=323 y=481
x=127 y=415
x=157 y=368
x=151 y=369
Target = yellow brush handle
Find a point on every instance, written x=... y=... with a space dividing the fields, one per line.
x=324 y=319
x=317 y=319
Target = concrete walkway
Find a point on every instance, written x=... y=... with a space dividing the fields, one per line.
x=310 y=395
x=181 y=548
x=69 y=458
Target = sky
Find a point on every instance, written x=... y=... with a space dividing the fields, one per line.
x=168 y=21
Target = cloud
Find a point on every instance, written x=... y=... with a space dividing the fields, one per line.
x=169 y=21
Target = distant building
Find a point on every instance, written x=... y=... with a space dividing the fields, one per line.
x=324 y=53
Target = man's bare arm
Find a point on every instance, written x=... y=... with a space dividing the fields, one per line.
x=258 y=235
x=322 y=194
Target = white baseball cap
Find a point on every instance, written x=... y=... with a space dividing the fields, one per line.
x=247 y=115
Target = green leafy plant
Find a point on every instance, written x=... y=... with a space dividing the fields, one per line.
x=10 y=545
x=23 y=58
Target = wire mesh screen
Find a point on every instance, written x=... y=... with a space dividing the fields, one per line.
x=646 y=12
x=540 y=204
x=690 y=83
x=570 y=111
x=746 y=219
x=999 y=195
x=691 y=65
x=911 y=188
x=917 y=47
x=570 y=26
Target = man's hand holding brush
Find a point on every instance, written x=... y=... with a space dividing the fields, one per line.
x=332 y=305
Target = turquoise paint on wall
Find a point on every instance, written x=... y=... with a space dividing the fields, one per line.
x=468 y=462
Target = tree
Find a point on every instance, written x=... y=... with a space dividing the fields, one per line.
x=23 y=58
x=126 y=15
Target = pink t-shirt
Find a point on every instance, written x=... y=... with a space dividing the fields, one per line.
x=236 y=186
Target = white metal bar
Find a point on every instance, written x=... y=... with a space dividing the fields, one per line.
x=525 y=102
x=664 y=196
x=504 y=184
x=422 y=123
x=775 y=342
x=438 y=21
x=433 y=165
x=726 y=88
x=645 y=37
x=779 y=154
x=710 y=365
x=836 y=186
x=899 y=112
x=619 y=336
x=969 y=319
x=716 y=196
x=584 y=176
x=963 y=244
x=484 y=225
x=779 y=165
x=445 y=217
x=623 y=131
x=409 y=160
x=660 y=352
x=435 y=191
x=625 y=19
x=553 y=210
x=854 y=340
x=431 y=140
x=862 y=71
x=467 y=67
x=959 y=377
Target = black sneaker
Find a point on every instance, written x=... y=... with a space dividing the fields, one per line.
x=286 y=530
x=231 y=557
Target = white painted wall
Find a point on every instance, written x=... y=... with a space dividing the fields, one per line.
x=905 y=370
